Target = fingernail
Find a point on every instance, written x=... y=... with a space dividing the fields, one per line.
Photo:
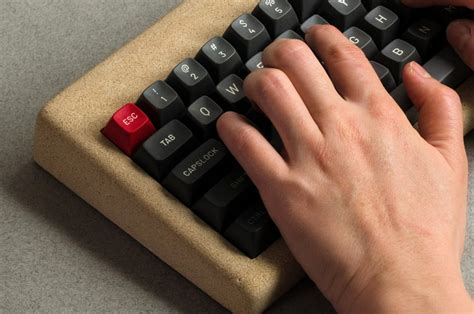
x=459 y=33
x=419 y=70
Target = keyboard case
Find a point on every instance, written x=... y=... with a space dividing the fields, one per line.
x=69 y=145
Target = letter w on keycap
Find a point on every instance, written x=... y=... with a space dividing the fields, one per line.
x=233 y=89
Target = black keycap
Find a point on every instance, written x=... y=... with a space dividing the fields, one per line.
x=277 y=16
x=248 y=35
x=371 y=4
x=198 y=172
x=305 y=8
x=229 y=198
x=231 y=93
x=219 y=58
x=362 y=40
x=396 y=55
x=446 y=67
x=384 y=75
x=290 y=34
x=161 y=103
x=190 y=80
x=382 y=25
x=310 y=22
x=426 y=36
x=405 y=14
x=253 y=232
x=204 y=113
x=255 y=63
x=448 y=14
x=164 y=149
x=343 y=13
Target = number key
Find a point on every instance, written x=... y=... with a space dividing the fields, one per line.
x=190 y=80
x=248 y=35
x=161 y=103
x=277 y=16
x=219 y=58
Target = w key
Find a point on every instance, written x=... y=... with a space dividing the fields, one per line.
x=231 y=92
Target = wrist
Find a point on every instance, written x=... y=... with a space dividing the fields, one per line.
x=395 y=293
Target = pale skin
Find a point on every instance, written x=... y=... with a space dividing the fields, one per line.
x=373 y=210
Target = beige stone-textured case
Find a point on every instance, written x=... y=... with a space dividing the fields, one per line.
x=69 y=145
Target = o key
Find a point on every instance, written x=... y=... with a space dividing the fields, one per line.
x=128 y=128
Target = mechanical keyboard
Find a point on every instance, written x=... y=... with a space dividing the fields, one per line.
x=155 y=166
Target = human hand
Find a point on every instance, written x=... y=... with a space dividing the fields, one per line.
x=373 y=210
x=460 y=33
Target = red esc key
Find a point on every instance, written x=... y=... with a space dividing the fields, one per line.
x=128 y=128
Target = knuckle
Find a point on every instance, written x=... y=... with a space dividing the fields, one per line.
x=283 y=51
x=345 y=53
x=268 y=80
x=322 y=29
x=448 y=94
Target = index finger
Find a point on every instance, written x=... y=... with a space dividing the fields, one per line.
x=428 y=3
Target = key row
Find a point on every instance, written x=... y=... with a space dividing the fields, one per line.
x=202 y=176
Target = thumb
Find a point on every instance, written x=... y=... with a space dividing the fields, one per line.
x=440 y=120
x=461 y=36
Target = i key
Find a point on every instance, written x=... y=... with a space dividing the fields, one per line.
x=161 y=103
x=190 y=80
x=198 y=172
x=128 y=128
x=226 y=200
x=219 y=58
x=248 y=35
x=382 y=25
x=231 y=92
x=343 y=13
x=253 y=232
x=305 y=8
x=396 y=55
x=362 y=40
x=277 y=16
x=164 y=149
x=204 y=113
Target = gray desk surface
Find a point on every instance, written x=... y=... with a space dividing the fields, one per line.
x=57 y=252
